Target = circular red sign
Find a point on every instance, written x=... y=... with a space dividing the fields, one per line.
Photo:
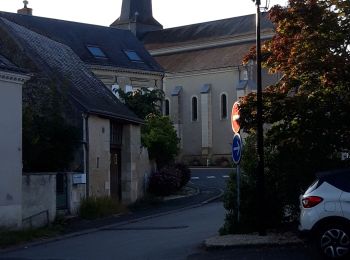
x=235 y=115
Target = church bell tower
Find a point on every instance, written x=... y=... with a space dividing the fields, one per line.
x=136 y=16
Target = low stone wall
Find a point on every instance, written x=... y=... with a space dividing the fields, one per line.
x=76 y=193
x=38 y=199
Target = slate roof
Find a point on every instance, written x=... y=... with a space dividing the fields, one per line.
x=60 y=62
x=230 y=27
x=219 y=57
x=77 y=36
x=6 y=65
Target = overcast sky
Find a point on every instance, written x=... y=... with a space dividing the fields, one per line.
x=170 y=13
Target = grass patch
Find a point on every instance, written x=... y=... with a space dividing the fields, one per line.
x=11 y=238
x=94 y=208
x=146 y=201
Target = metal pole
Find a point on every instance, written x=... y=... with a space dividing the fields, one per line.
x=260 y=133
x=238 y=177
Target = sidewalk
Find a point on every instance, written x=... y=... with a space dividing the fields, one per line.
x=169 y=205
x=253 y=240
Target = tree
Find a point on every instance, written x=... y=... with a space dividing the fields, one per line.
x=307 y=113
x=143 y=101
x=49 y=141
x=160 y=137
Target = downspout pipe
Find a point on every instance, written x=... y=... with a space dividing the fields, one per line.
x=86 y=152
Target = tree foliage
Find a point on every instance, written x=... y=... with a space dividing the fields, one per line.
x=159 y=136
x=143 y=101
x=308 y=110
x=49 y=141
x=307 y=113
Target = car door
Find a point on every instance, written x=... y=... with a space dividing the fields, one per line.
x=344 y=183
x=345 y=204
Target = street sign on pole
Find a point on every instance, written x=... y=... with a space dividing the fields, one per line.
x=235 y=115
x=236 y=157
x=236 y=149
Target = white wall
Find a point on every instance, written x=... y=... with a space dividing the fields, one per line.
x=38 y=199
x=10 y=152
x=221 y=81
x=99 y=156
x=136 y=166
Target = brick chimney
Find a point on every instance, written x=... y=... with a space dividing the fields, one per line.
x=25 y=9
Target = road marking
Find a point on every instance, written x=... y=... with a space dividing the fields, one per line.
x=211 y=177
x=210 y=168
x=195 y=178
x=225 y=176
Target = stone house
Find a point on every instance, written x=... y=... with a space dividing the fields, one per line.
x=115 y=56
x=204 y=75
x=110 y=152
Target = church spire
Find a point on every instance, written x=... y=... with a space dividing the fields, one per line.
x=136 y=15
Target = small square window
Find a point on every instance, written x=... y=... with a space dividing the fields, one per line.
x=96 y=52
x=243 y=75
x=133 y=56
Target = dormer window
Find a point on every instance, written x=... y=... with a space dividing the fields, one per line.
x=133 y=56
x=96 y=52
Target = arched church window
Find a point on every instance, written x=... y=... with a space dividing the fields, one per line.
x=223 y=106
x=194 y=109
x=167 y=107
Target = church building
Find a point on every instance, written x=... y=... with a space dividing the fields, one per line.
x=204 y=75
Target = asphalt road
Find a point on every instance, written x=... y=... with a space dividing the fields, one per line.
x=170 y=237
x=211 y=177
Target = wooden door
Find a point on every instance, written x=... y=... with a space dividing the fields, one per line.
x=115 y=169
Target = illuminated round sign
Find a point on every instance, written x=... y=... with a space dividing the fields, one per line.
x=235 y=115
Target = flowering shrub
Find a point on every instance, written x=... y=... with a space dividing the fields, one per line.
x=184 y=173
x=164 y=182
x=169 y=179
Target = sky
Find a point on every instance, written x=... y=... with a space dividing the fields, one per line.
x=170 y=13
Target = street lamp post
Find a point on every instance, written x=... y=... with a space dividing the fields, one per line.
x=260 y=130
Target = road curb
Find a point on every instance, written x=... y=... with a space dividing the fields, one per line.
x=106 y=227
x=252 y=241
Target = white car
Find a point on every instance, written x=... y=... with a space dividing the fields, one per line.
x=325 y=213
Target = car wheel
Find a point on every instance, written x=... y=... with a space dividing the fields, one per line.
x=334 y=241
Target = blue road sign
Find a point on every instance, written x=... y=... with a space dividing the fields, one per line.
x=236 y=149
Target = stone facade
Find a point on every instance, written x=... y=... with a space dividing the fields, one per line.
x=204 y=77
x=208 y=139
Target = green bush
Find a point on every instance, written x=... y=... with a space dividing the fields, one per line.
x=93 y=207
x=164 y=182
x=184 y=173
x=169 y=179
x=160 y=138
x=274 y=203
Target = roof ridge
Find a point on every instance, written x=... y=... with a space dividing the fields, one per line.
x=61 y=20
x=207 y=22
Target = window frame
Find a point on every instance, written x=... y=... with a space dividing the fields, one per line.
x=91 y=49
x=222 y=117
x=193 y=118
x=128 y=54
x=167 y=107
